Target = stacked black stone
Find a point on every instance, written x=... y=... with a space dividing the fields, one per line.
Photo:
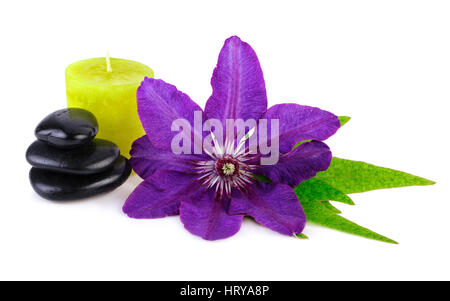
x=69 y=163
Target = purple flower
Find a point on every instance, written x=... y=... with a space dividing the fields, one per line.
x=213 y=190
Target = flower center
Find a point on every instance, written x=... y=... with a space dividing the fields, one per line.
x=228 y=169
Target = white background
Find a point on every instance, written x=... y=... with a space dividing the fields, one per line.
x=384 y=63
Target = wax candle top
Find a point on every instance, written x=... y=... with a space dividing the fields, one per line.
x=94 y=71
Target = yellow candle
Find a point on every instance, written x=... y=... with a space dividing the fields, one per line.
x=107 y=87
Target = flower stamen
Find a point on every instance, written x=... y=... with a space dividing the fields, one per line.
x=226 y=168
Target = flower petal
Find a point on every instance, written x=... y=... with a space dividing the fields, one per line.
x=147 y=159
x=207 y=218
x=298 y=123
x=275 y=206
x=159 y=195
x=300 y=164
x=238 y=85
x=159 y=104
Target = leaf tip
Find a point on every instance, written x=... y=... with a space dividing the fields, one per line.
x=429 y=182
x=344 y=119
x=383 y=238
x=350 y=201
x=391 y=241
x=424 y=182
x=301 y=236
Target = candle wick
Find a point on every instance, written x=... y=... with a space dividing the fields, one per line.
x=108 y=62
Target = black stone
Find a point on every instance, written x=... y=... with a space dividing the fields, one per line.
x=54 y=186
x=97 y=156
x=67 y=128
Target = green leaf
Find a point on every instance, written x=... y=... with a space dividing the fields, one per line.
x=313 y=192
x=299 y=143
x=354 y=176
x=330 y=207
x=344 y=120
x=325 y=192
x=302 y=236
